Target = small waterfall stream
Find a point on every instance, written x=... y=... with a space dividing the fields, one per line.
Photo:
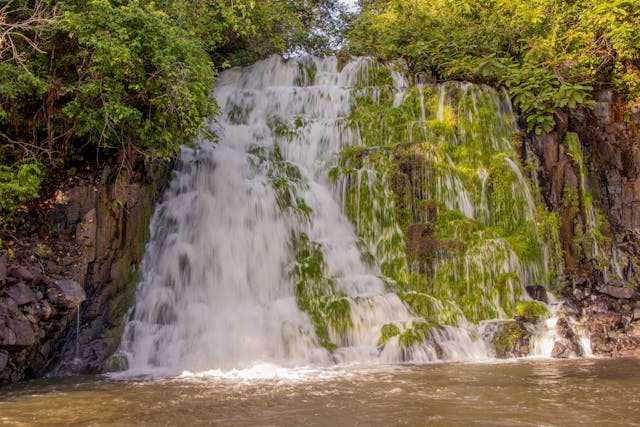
x=297 y=239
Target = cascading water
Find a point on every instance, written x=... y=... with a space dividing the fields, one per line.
x=290 y=241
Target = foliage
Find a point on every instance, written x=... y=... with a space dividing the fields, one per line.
x=315 y=292
x=19 y=183
x=549 y=53
x=439 y=201
x=105 y=81
x=388 y=331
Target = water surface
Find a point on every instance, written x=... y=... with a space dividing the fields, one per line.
x=524 y=393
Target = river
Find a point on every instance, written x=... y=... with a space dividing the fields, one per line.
x=593 y=392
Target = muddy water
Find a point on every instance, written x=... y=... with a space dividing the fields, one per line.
x=524 y=393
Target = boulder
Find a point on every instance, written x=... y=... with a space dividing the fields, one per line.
x=66 y=293
x=21 y=294
x=7 y=307
x=566 y=349
x=509 y=338
x=7 y=336
x=20 y=332
x=620 y=292
x=567 y=346
x=21 y=273
x=538 y=293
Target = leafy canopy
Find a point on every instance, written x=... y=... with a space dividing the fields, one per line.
x=549 y=53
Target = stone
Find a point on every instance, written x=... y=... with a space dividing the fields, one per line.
x=3 y=269
x=22 y=330
x=538 y=293
x=615 y=283
x=4 y=358
x=617 y=291
x=566 y=349
x=117 y=362
x=21 y=272
x=567 y=346
x=66 y=293
x=21 y=294
x=7 y=336
x=510 y=338
x=44 y=310
x=7 y=307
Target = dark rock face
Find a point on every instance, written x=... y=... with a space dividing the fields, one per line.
x=602 y=288
x=81 y=259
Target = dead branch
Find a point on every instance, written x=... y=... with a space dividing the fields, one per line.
x=21 y=25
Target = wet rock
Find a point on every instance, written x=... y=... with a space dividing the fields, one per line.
x=620 y=292
x=565 y=349
x=21 y=294
x=538 y=293
x=117 y=362
x=567 y=346
x=21 y=273
x=66 y=293
x=510 y=338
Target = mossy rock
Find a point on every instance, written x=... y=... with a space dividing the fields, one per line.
x=531 y=309
x=509 y=338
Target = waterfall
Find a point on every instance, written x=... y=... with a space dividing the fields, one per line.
x=288 y=241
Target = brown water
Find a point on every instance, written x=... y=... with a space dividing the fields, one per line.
x=524 y=393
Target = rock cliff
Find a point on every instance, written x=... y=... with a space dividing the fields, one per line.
x=75 y=272
x=589 y=172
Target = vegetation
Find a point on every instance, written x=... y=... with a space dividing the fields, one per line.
x=104 y=81
x=549 y=53
x=440 y=202
x=531 y=309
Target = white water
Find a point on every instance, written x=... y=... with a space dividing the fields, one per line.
x=216 y=293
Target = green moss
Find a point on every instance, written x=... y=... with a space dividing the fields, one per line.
x=306 y=73
x=531 y=309
x=387 y=332
x=315 y=292
x=507 y=340
x=286 y=180
x=120 y=302
x=441 y=204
